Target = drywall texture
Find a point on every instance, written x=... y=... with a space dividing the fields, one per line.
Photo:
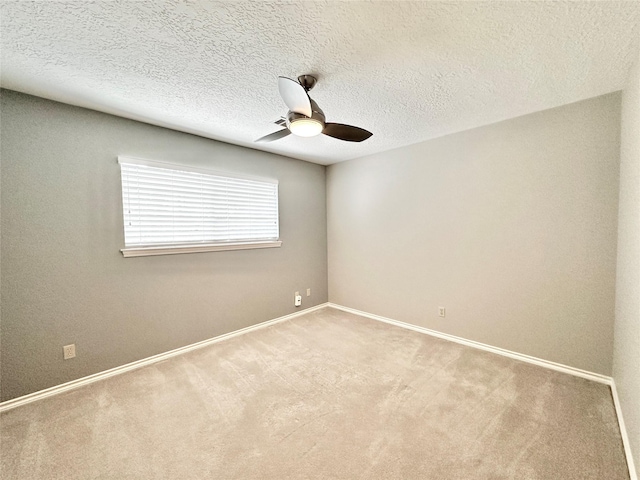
x=626 y=350
x=64 y=279
x=511 y=227
x=407 y=71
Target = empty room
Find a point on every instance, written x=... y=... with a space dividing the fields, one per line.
x=319 y=239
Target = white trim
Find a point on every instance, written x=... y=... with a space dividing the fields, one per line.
x=189 y=168
x=42 y=394
x=623 y=432
x=596 y=377
x=210 y=247
x=73 y=384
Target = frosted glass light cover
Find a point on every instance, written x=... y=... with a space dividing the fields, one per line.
x=306 y=127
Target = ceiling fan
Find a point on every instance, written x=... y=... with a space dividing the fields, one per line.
x=304 y=118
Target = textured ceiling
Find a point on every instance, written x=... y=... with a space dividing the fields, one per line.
x=407 y=71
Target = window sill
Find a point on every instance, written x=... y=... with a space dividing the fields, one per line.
x=213 y=247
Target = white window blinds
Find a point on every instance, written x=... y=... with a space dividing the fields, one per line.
x=172 y=205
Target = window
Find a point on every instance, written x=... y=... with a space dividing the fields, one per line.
x=177 y=209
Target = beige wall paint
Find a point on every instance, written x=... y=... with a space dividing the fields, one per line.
x=626 y=351
x=512 y=227
x=64 y=280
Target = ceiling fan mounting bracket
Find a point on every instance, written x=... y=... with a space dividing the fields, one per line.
x=307 y=81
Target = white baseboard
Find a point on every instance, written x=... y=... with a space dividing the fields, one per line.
x=33 y=397
x=96 y=377
x=596 y=377
x=623 y=432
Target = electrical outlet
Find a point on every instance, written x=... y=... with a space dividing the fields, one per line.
x=441 y=311
x=308 y=292
x=69 y=351
x=297 y=299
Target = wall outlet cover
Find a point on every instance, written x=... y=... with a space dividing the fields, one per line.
x=69 y=351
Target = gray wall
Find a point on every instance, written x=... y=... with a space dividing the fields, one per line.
x=626 y=359
x=511 y=227
x=64 y=280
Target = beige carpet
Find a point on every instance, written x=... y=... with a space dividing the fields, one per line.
x=326 y=395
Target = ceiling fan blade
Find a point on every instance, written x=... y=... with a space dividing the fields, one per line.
x=348 y=133
x=274 y=136
x=294 y=96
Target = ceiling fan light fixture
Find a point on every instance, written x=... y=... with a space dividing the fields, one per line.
x=306 y=127
x=305 y=118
